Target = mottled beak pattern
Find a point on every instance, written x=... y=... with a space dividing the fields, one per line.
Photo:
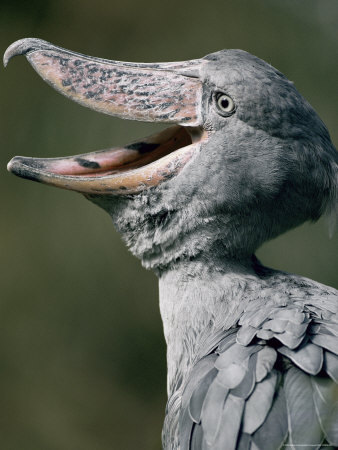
x=158 y=92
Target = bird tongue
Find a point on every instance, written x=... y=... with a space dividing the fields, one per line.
x=159 y=92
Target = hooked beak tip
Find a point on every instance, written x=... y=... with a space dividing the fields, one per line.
x=18 y=167
x=13 y=165
x=22 y=47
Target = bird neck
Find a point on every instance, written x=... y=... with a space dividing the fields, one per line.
x=166 y=238
x=196 y=302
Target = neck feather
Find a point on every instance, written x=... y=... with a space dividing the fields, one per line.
x=196 y=303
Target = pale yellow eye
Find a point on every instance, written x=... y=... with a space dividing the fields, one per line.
x=225 y=104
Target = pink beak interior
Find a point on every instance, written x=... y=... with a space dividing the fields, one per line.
x=159 y=92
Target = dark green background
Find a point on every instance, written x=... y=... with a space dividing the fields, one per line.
x=82 y=357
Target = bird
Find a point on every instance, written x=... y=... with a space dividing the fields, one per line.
x=252 y=352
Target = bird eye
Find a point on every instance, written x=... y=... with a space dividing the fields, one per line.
x=225 y=104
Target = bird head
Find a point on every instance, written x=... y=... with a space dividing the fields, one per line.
x=246 y=159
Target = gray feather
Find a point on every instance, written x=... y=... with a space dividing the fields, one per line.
x=328 y=328
x=199 y=371
x=185 y=429
x=257 y=317
x=245 y=388
x=276 y=325
x=320 y=313
x=259 y=404
x=331 y=365
x=227 y=342
x=327 y=341
x=273 y=432
x=196 y=438
x=209 y=343
x=327 y=409
x=289 y=340
x=235 y=353
x=328 y=302
x=296 y=329
x=290 y=314
x=304 y=427
x=197 y=398
x=245 y=334
x=314 y=328
x=232 y=376
x=265 y=334
x=231 y=422
x=325 y=388
x=212 y=411
x=266 y=359
x=308 y=357
x=244 y=442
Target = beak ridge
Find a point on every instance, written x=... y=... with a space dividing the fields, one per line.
x=154 y=92
x=22 y=47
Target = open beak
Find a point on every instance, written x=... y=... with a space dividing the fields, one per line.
x=159 y=92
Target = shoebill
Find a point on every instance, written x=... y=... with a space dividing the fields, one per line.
x=252 y=352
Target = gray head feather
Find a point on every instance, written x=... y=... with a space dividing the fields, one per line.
x=267 y=168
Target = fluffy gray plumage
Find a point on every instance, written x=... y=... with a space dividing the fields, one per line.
x=252 y=353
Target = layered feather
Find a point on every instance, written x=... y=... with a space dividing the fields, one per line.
x=272 y=381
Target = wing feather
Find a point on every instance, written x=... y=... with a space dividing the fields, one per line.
x=304 y=427
x=197 y=398
x=204 y=368
x=325 y=395
x=271 y=380
x=231 y=421
x=326 y=341
x=201 y=368
x=266 y=359
x=245 y=388
x=197 y=438
x=331 y=365
x=259 y=404
x=186 y=426
x=244 y=442
x=212 y=410
x=235 y=354
x=246 y=334
x=272 y=434
x=309 y=357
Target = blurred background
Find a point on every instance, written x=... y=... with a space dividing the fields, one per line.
x=82 y=356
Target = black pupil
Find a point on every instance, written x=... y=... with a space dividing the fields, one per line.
x=225 y=103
